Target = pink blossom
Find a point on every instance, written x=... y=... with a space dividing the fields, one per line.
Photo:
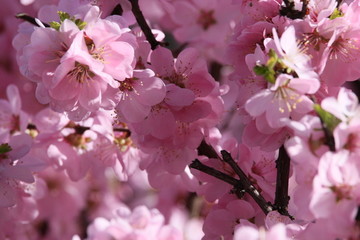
x=84 y=64
x=277 y=232
x=14 y=169
x=220 y=222
x=269 y=141
x=342 y=44
x=55 y=188
x=12 y=118
x=138 y=94
x=82 y=78
x=344 y=107
x=337 y=181
x=293 y=57
x=197 y=21
x=281 y=100
x=139 y=223
x=320 y=10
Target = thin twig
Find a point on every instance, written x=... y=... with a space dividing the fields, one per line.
x=30 y=19
x=196 y=164
x=143 y=24
x=125 y=130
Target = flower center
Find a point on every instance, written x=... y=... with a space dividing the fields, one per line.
x=80 y=73
x=206 y=19
x=344 y=49
x=177 y=79
x=288 y=98
x=96 y=53
x=342 y=191
x=123 y=142
x=127 y=84
x=312 y=39
x=353 y=142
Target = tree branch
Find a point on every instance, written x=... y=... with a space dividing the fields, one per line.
x=289 y=9
x=117 y=10
x=282 y=183
x=241 y=185
x=247 y=185
x=143 y=24
x=207 y=150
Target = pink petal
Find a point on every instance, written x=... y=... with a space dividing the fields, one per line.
x=20 y=173
x=13 y=95
x=162 y=61
x=288 y=40
x=118 y=63
x=189 y=61
x=42 y=94
x=133 y=111
x=201 y=84
x=185 y=13
x=150 y=91
x=66 y=89
x=162 y=123
x=176 y=96
x=258 y=104
x=7 y=195
x=90 y=95
x=21 y=145
x=197 y=110
x=61 y=71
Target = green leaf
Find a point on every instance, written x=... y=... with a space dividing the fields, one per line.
x=329 y=120
x=63 y=16
x=270 y=77
x=5 y=148
x=261 y=70
x=266 y=72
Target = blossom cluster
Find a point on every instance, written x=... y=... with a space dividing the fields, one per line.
x=180 y=119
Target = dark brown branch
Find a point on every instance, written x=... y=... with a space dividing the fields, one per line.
x=215 y=70
x=81 y=129
x=282 y=182
x=247 y=185
x=207 y=150
x=196 y=164
x=125 y=130
x=357 y=217
x=117 y=10
x=289 y=10
x=27 y=18
x=143 y=24
x=240 y=186
x=338 y=2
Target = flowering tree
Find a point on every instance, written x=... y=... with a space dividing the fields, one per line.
x=180 y=119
